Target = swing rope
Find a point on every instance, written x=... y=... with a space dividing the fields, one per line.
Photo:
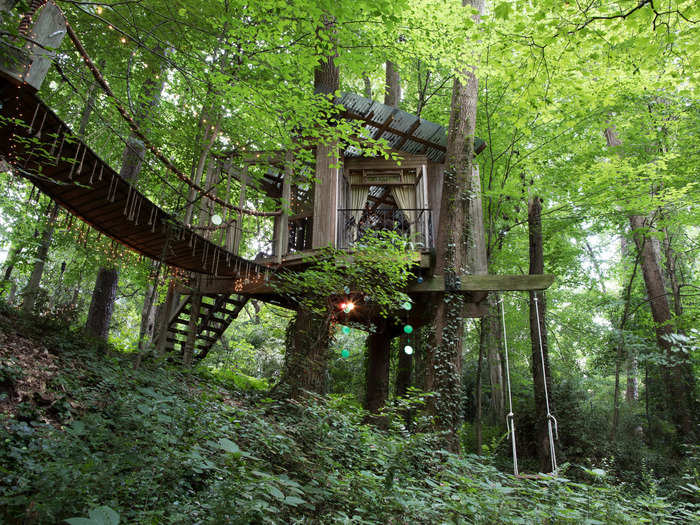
x=550 y=418
x=510 y=418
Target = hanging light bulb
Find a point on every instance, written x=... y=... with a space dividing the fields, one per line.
x=345 y=353
x=408 y=349
x=346 y=330
x=408 y=329
x=407 y=305
x=216 y=220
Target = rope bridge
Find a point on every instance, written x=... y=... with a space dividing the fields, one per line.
x=41 y=147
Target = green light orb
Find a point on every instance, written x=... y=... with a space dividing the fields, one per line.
x=408 y=329
x=345 y=353
x=407 y=305
x=346 y=330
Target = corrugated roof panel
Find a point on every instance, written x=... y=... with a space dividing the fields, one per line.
x=401 y=122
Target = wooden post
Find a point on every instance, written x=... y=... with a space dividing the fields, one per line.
x=282 y=240
x=192 y=329
x=241 y=204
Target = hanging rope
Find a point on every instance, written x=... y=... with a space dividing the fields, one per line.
x=552 y=427
x=510 y=418
x=138 y=133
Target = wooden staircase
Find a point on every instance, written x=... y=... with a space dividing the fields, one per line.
x=216 y=312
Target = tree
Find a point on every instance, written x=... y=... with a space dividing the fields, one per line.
x=455 y=250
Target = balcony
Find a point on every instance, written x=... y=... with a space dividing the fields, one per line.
x=414 y=224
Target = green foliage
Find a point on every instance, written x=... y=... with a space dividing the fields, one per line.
x=156 y=445
x=375 y=272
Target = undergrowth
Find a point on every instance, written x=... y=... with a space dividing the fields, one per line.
x=157 y=445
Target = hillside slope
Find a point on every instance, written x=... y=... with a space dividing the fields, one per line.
x=82 y=429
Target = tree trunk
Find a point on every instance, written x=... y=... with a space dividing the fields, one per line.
x=368 y=86
x=632 y=391
x=148 y=317
x=32 y=289
x=478 y=394
x=132 y=162
x=455 y=245
x=377 y=371
x=677 y=375
x=306 y=357
x=392 y=90
x=494 y=350
x=541 y=375
x=404 y=367
x=102 y=304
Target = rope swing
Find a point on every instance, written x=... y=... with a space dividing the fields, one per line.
x=550 y=418
x=552 y=426
x=510 y=418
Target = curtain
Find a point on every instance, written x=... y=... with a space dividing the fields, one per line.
x=358 y=198
x=405 y=197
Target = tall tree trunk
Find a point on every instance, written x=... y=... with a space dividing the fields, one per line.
x=678 y=378
x=32 y=289
x=306 y=357
x=102 y=303
x=455 y=245
x=494 y=350
x=632 y=390
x=541 y=374
x=392 y=90
x=678 y=375
x=132 y=162
x=377 y=371
x=478 y=390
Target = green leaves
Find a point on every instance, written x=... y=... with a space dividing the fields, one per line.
x=97 y=516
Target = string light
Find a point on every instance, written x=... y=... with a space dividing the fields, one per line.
x=345 y=353
x=408 y=329
x=408 y=349
x=346 y=330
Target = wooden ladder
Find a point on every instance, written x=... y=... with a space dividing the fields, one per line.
x=216 y=313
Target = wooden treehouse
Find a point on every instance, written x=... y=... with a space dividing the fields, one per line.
x=352 y=195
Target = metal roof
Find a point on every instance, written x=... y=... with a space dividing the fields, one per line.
x=403 y=131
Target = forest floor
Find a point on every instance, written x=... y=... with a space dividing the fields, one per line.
x=85 y=433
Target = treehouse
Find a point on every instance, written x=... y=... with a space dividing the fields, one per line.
x=355 y=194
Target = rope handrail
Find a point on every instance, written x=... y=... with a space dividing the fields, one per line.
x=137 y=131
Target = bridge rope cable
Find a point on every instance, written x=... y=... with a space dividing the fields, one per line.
x=139 y=134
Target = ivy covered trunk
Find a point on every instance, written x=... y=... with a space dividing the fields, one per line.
x=455 y=252
x=306 y=357
x=541 y=375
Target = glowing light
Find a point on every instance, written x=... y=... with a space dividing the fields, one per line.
x=99 y=10
x=346 y=289
x=346 y=330
x=216 y=220
x=122 y=40
x=407 y=305
x=419 y=280
x=408 y=349
x=345 y=353
x=347 y=307
x=408 y=329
